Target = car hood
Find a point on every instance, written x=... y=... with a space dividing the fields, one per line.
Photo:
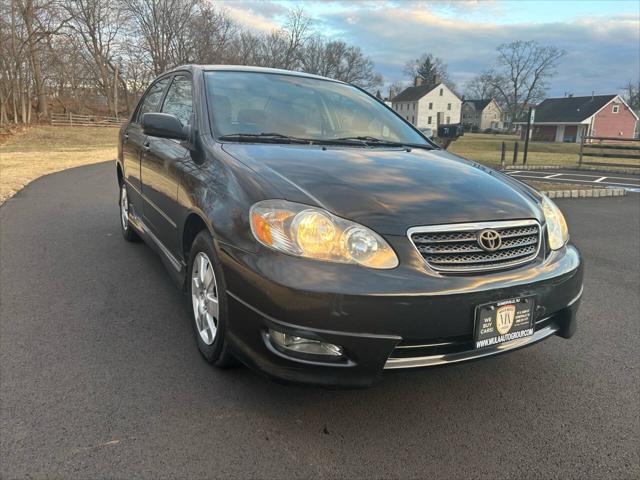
x=389 y=190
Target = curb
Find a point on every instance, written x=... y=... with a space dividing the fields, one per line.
x=569 y=167
x=592 y=193
x=533 y=167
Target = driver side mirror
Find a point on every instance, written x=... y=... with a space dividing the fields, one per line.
x=164 y=125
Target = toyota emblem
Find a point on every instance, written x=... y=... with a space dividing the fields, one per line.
x=489 y=240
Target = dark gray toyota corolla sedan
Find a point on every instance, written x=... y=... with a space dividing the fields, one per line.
x=323 y=239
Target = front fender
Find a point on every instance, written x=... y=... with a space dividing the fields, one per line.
x=221 y=190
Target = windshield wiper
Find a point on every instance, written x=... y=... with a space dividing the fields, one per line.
x=368 y=140
x=270 y=137
x=274 y=137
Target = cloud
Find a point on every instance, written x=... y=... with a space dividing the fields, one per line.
x=256 y=15
x=602 y=52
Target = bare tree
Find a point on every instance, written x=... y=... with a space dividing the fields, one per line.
x=480 y=87
x=338 y=60
x=211 y=35
x=12 y=47
x=296 y=34
x=396 y=87
x=163 y=25
x=245 y=49
x=631 y=95
x=28 y=13
x=98 y=25
x=67 y=76
x=26 y=26
x=272 y=48
x=315 y=57
x=85 y=55
x=522 y=73
x=356 y=68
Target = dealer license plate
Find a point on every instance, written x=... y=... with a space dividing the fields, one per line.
x=503 y=321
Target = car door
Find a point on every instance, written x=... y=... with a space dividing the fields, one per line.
x=159 y=170
x=133 y=140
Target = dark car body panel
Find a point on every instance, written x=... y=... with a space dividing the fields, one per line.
x=132 y=139
x=388 y=190
x=394 y=296
x=160 y=179
x=175 y=185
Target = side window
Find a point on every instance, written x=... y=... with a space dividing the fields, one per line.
x=151 y=101
x=178 y=101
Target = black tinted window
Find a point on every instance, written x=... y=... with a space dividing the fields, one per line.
x=151 y=101
x=178 y=101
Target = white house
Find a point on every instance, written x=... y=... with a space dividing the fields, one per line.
x=426 y=106
x=481 y=114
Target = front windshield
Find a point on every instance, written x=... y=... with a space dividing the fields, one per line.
x=253 y=103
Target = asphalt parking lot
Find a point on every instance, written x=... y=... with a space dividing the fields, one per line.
x=100 y=376
x=628 y=181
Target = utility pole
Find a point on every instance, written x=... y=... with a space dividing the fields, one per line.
x=530 y=119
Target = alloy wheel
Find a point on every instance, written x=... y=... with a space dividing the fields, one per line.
x=204 y=296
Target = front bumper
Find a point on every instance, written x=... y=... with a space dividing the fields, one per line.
x=383 y=319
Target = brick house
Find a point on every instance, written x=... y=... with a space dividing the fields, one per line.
x=481 y=115
x=569 y=119
x=428 y=106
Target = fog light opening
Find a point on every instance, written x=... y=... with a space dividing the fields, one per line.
x=308 y=346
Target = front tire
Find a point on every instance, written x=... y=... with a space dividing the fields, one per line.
x=208 y=294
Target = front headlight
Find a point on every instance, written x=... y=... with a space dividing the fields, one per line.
x=312 y=232
x=557 y=230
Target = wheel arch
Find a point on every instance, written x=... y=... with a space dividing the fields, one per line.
x=119 y=173
x=193 y=225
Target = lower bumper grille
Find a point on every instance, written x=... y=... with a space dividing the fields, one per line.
x=408 y=354
x=461 y=247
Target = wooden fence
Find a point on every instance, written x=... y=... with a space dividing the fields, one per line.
x=611 y=150
x=72 y=119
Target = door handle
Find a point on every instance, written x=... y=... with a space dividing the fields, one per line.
x=146 y=146
x=125 y=137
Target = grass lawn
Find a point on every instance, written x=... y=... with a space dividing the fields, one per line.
x=485 y=148
x=41 y=150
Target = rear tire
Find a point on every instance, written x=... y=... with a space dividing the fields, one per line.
x=127 y=230
x=208 y=294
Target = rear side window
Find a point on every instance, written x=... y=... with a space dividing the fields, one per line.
x=178 y=101
x=151 y=101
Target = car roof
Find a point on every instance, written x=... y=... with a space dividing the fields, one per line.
x=245 y=68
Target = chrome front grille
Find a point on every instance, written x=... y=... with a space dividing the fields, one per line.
x=455 y=248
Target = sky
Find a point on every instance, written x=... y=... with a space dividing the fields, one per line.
x=601 y=38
